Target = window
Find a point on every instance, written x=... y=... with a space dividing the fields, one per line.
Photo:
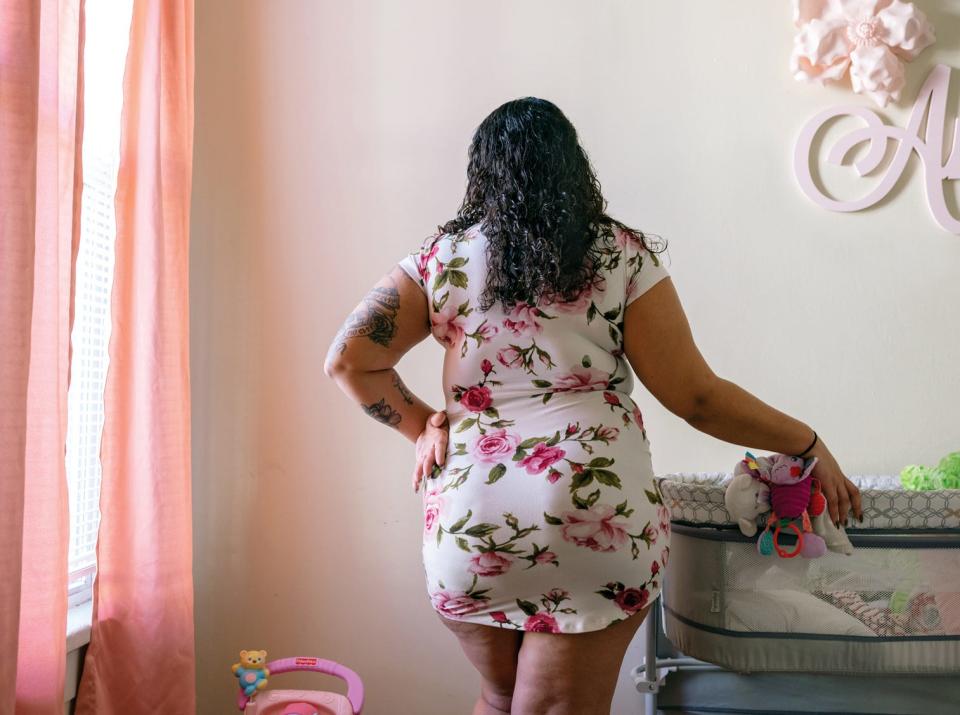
x=107 y=28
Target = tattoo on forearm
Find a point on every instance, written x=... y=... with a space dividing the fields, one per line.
x=404 y=392
x=374 y=318
x=382 y=412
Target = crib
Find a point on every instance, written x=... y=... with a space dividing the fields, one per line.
x=891 y=608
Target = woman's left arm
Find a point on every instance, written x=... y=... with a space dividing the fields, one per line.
x=392 y=317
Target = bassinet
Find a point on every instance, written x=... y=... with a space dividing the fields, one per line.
x=892 y=607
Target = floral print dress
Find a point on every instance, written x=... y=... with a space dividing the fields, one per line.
x=545 y=516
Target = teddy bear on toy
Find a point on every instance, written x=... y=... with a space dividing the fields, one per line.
x=252 y=671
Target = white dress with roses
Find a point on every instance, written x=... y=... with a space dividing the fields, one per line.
x=545 y=516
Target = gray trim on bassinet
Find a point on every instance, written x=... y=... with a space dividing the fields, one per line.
x=803 y=636
x=886 y=538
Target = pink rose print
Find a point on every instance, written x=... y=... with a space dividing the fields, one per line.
x=476 y=398
x=572 y=428
x=510 y=357
x=632 y=600
x=499 y=616
x=540 y=458
x=650 y=535
x=546 y=557
x=424 y=259
x=607 y=434
x=654 y=568
x=557 y=594
x=485 y=332
x=541 y=623
x=553 y=475
x=494 y=446
x=455 y=603
x=637 y=417
x=431 y=512
x=611 y=398
x=577 y=305
x=522 y=320
x=580 y=379
x=665 y=556
x=598 y=528
x=486 y=366
x=663 y=514
x=627 y=238
x=490 y=563
x=446 y=326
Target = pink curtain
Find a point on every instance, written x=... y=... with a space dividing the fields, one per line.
x=141 y=653
x=41 y=93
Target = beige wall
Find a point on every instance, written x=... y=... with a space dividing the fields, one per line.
x=331 y=137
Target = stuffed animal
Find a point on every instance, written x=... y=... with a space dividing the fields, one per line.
x=793 y=495
x=252 y=671
x=746 y=498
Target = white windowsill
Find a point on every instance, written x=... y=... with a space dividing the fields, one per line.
x=79 y=618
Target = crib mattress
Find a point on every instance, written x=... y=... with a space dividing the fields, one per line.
x=697 y=498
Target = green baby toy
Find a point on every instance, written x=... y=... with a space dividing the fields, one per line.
x=946 y=475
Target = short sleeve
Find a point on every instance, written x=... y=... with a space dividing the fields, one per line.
x=416 y=264
x=643 y=269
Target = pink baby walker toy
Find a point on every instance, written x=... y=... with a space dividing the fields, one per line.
x=253 y=671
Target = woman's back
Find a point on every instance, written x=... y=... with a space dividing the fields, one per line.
x=547 y=495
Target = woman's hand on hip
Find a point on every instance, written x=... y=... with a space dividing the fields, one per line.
x=841 y=494
x=431 y=447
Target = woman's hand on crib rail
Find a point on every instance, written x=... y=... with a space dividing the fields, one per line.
x=841 y=494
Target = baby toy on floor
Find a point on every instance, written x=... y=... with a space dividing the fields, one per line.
x=253 y=671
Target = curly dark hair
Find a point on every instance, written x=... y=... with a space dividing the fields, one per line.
x=531 y=186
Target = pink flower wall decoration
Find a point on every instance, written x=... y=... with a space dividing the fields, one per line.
x=870 y=37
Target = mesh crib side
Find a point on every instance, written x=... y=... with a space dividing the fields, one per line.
x=891 y=607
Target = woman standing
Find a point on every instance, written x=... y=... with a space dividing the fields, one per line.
x=545 y=540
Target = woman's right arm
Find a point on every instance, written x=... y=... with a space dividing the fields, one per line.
x=660 y=347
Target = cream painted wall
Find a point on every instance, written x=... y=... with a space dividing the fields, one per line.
x=331 y=138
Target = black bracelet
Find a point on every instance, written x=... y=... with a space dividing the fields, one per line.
x=811 y=445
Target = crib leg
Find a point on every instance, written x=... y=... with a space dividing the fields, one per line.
x=650 y=679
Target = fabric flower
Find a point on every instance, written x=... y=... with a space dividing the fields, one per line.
x=599 y=528
x=607 y=434
x=540 y=458
x=868 y=37
x=490 y=563
x=580 y=379
x=580 y=304
x=494 y=446
x=424 y=257
x=431 y=512
x=455 y=603
x=632 y=600
x=522 y=319
x=510 y=357
x=546 y=557
x=476 y=398
x=541 y=623
x=663 y=514
x=447 y=327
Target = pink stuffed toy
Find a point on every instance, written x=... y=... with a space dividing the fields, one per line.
x=794 y=495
